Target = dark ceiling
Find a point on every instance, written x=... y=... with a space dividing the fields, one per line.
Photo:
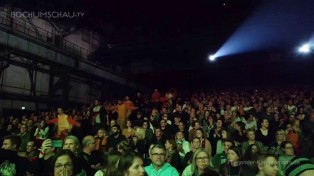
x=171 y=31
x=175 y=36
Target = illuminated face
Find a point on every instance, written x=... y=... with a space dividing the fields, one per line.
x=71 y=145
x=269 y=167
x=227 y=145
x=158 y=156
x=199 y=134
x=289 y=150
x=8 y=145
x=232 y=156
x=202 y=160
x=180 y=136
x=30 y=146
x=63 y=166
x=100 y=133
x=196 y=143
x=60 y=111
x=251 y=135
x=168 y=145
x=136 y=168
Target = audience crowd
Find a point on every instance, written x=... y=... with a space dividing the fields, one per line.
x=265 y=132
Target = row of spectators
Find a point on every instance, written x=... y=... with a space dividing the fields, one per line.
x=228 y=133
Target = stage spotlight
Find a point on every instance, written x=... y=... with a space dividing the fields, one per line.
x=306 y=48
x=212 y=57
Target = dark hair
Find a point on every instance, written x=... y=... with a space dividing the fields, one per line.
x=126 y=145
x=283 y=144
x=160 y=146
x=209 y=172
x=117 y=126
x=173 y=143
x=66 y=152
x=113 y=159
x=237 y=151
x=15 y=140
x=125 y=163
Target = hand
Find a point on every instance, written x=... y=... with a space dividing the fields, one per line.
x=46 y=145
x=96 y=167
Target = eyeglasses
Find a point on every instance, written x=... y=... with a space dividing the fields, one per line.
x=158 y=154
x=66 y=165
x=205 y=158
x=288 y=147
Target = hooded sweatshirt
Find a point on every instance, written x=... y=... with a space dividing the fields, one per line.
x=166 y=170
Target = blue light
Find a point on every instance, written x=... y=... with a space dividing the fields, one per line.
x=306 y=48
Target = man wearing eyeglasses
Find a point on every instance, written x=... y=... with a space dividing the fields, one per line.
x=159 y=166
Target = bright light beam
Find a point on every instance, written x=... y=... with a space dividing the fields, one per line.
x=212 y=57
x=306 y=48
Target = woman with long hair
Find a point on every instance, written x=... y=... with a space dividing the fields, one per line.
x=112 y=164
x=128 y=131
x=204 y=142
x=130 y=165
x=172 y=154
x=200 y=163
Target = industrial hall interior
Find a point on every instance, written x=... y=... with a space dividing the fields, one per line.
x=157 y=88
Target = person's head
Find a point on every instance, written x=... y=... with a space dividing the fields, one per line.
x=113 y=160
x=280 y=135
x=287 y=148
x=196 y=143
x=42 y=124
x=163 y=123
x=30 y=146
x=264 y=123
x=158 y=155
x=219 y=123
x=64 y=163
x=89 y=143
x=179 y=136
x=170 y=144
x=234 y=154
x=129 y=124
x=225 y=134
x=112 y=123
x=146 y=124
x=250 y=134
x=299 y=166
x=11 y=142
x=115 y=130
x=181 y=126
x=71 y=143
x=60 y=111
x=23 y=128
x=97 y=102
x=196 y=125
x=101 y=133
x=131 y=165
x=199 y=133
x=267 y=165
x=240 y=126
x=126 y=146
x=253 y=149
x=200 y=161
x=227 y=144
x=140 y=133
x=158 y=132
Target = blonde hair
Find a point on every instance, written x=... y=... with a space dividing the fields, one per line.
x=196 y=153
x=140 y=133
